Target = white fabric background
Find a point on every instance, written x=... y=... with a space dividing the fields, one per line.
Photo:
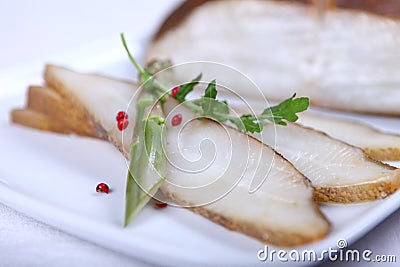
x=33 y=31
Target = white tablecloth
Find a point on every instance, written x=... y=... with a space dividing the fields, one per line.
x=34 y=31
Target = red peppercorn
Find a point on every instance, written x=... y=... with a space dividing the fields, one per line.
x=160 y=205
x=176 y=120
x=103 y=188
x=121 y=115
x=122 y=124
x=174 y=91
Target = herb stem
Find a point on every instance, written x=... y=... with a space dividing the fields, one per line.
x=154 y=83
x=209 y=106
x=142 y=71
x=193 y=106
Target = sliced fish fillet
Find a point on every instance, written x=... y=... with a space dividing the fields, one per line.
x=98 y=98
x=377 y=144
x=349 y=60
x=339 y=172
x=211 y=169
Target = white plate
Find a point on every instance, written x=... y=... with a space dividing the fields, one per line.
x=52 y=178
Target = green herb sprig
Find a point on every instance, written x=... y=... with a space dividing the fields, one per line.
x=210 y=106
x=148 y=162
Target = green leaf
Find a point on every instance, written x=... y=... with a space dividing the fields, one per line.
x=238 y=123
x=250 y=124
x=211 y=90
x=206 y=105
x=218 y=110
x=211 y=107
x=286 y=110
x=187 y=88
x=147 y=165
x=146 y=170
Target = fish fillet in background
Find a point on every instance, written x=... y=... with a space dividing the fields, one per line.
x=347 y=59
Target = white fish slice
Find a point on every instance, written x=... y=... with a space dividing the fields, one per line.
x=97 y=98
x=45 y=108
x=375 y=143
x=339 y=172
x=348 y=61
x=211 y=168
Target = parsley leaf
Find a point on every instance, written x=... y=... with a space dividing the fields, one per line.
x=286 y=110
x=187 y=88
x=211 y=107
x=215 y=109
x=247 y=123
x=211 y=90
